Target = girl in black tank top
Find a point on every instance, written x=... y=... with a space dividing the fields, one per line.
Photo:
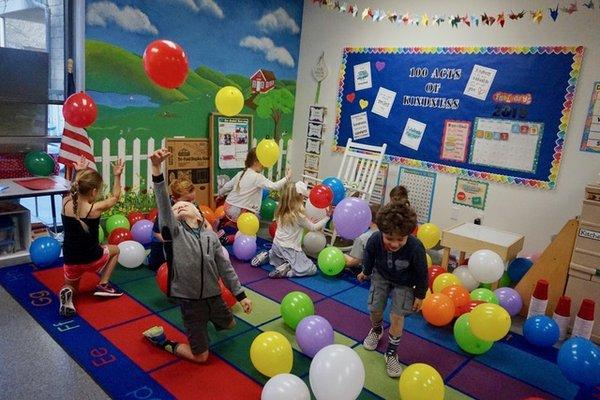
x=81 y=220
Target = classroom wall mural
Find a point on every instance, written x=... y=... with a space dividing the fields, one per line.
x=251 y=45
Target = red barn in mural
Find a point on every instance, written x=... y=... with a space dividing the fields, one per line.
x=262 y=81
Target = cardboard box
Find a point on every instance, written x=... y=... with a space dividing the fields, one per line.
x=191 y=159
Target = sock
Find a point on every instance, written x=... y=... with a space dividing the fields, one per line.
x=377 y=327
x=392 y=345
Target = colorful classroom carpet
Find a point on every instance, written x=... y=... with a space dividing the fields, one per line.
x=105 y=339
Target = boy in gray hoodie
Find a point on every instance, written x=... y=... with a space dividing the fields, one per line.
x=196 y=262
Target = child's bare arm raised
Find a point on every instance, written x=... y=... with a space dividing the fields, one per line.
x=109 y=202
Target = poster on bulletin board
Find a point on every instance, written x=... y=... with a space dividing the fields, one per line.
x=591 y=133
x=489 y=113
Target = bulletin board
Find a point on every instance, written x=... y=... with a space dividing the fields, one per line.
x=230 y=139
x=493 y=113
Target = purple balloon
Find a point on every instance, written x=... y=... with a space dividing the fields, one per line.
x=313 y=333
x=244 y=247
x=509 y=299
x=351 y=217
x=141 y=231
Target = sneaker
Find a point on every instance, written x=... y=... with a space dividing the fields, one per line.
x=107 y=290
x=281 y=271
x=372 y=340
x=260 y=259
x=67 y=309
x=392 y=365
x=156 y=335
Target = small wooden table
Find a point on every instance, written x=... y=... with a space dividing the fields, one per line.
x=468 y=238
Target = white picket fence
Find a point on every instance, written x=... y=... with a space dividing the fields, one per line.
x=104 y=160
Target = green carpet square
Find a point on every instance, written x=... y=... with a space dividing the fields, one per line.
x=263 y=309
x=123 y=275
x=147 y=292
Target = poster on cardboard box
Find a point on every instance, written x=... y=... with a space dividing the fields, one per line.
x=190 y=159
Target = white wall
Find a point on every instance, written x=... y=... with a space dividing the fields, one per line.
x=537 y=214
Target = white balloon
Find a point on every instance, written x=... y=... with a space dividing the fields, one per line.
x=313 y=213
x=313 y=243
x=285 y=387
x=486 y=266
x=131 y=254
x=466 y=278
x=337 y=373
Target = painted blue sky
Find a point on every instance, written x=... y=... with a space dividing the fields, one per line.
x=231 y=36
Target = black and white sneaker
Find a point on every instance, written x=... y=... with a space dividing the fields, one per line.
x=281 y=271
x=392 y=366
x=67 y=309
x=372 y=340
x=260 y=259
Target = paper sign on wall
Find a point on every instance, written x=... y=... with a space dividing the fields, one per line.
x=470 y=193
x=591 y=133
x=413 y=133
x=480 y=82
x=360 y=126
x=362 y=76
x=455 y=140
x=384 y=102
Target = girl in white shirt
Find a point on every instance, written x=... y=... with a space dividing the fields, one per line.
x=244 y=191
x=286 y=255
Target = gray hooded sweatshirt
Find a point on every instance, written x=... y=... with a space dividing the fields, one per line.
x=198 y=260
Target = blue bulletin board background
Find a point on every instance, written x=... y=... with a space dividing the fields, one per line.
x=547 y=74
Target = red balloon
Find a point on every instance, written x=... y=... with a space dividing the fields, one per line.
x=80 y=110
x=152 y=214
x=468 y=307
x=165 y=63
x=162 y=277
x=119 y=235
x=226 y=294
x=134 y=217
x=273 y=229
x=321 y=196
x=433 y=273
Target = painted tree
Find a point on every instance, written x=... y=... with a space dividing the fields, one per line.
x=274 y=104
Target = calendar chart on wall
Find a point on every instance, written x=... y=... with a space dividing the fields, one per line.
x=496 y=114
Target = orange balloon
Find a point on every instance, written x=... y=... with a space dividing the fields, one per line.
x=209 y=214
x=219 y=212
x=459 y=296
x=438 y=309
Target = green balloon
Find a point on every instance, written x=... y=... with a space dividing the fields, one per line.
x=39 y=163
x=465 y=338
x=504 y=280
x=100 y=234
x=116 y=221
x=485 y=286
x=267 y=209
x=331 y=261
x=485 y=295
x=296 y=306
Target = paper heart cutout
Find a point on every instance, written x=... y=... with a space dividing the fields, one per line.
x=379 y=65
x=363 y=104
x=350 y=97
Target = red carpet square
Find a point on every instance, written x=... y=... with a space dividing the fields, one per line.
x=128 y=338
x=213 y=380
x=54 y=279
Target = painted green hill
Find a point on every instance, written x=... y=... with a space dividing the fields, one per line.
x=242 y=81
x=216 y=77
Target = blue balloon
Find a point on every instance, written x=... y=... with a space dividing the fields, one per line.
x=265 y=193
x=541 y=331
x=337 y=187
x=44 y=251
x=579 y=361
x=518 y=268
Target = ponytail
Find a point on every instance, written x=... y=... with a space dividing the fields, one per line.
x=75 y=198
x=85 y=181
x=251 y=159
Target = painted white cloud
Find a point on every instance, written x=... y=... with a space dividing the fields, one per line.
x=129 y=18
x=212 y=6
x=191 y=4
x=272 y=52
x=278 y=20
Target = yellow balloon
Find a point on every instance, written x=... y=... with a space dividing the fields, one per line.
x=248 y=224
x=267 y=152
x=271 y=354
x=229 y=101
x=429 y=235
x=421 y=382
x=429 y=261
x=489 y=322
x=444 y=280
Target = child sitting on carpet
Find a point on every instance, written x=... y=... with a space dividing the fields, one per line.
x=195 y=261
x=244 y=191
x=400 y=194
x=395 y=262
x=286 y=255
x=81 y=248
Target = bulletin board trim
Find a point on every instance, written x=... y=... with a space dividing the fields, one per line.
x=577 y=52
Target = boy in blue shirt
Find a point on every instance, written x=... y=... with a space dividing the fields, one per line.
x=396 y=264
